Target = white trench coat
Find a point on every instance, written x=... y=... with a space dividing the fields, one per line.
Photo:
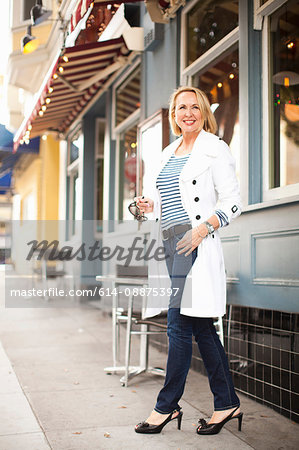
x=207 y=182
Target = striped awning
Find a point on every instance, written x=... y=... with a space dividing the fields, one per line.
x=77 y=76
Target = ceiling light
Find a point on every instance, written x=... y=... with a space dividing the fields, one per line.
x=39 y=13
x=286 y=78
x=29 y=43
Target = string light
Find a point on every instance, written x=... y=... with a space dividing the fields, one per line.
x=44 y=137
x=231 y=76
x=61 y=69
x=29 y=127
x=41 y=113
x=48 y=100
x=219 y=85
x=50 y=90
x=55 y=76
x=44 y=108
x=65 y=58
x=290 y=45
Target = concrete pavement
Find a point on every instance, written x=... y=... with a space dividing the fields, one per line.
x=55 y=395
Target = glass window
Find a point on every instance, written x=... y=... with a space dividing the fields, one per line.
x=220 y=81
x=75 y=143
x=207 y=23
x=128 y=97
x=28 y=4
x=100 y=175
x=74 y=146
x=284 y=100
x=127 y=172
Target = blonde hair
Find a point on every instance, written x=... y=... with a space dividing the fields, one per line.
x=209 y=121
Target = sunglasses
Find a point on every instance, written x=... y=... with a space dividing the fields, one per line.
x=135 y=211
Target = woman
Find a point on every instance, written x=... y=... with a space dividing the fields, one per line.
x=197 y=173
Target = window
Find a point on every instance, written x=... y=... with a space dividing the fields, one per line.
x=210 y=48
x=99 y=174
x=128 y=97
x=27 y=5
x=127 y=174
x=280 y=100
x=207 y=23
x=74 y=196
x=284 y=96
x=126 y=112
x=153 y=136
x=220 y=81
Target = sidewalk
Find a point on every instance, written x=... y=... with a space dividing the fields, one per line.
x=55 y=395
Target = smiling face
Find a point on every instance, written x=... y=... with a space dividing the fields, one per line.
x=187 y=113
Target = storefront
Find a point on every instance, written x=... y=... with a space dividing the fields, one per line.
x=244 y=55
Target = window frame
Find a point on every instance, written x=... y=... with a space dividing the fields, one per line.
x=262 y=11
x=291 y=191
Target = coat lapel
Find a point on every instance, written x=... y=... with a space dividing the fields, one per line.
x=201 y=157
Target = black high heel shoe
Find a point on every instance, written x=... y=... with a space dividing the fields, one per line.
x=147 y=428
x=214 y=428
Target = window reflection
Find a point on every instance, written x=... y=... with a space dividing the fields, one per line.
x=127 y=172
x=207 y=23
x=284 y=41
x=220 y=82
x=128 y=97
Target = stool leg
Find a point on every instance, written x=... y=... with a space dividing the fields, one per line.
x=114 y=328
x=128 y=339
x=143 y=359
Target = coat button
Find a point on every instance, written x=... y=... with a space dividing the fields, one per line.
x=197 y=217
x=194 y=182
x=157 y=220
x=213 y=236
x=196 y=199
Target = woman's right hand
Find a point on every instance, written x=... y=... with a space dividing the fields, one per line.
x=145 y=204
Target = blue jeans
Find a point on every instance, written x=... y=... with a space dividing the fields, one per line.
x=180 y=329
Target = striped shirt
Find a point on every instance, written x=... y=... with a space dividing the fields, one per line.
x=173 y=212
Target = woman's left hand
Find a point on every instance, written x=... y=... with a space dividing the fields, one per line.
x=191 y=240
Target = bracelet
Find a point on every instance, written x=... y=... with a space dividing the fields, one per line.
x=202 y=237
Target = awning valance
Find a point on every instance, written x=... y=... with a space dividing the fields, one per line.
x=76 y=77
